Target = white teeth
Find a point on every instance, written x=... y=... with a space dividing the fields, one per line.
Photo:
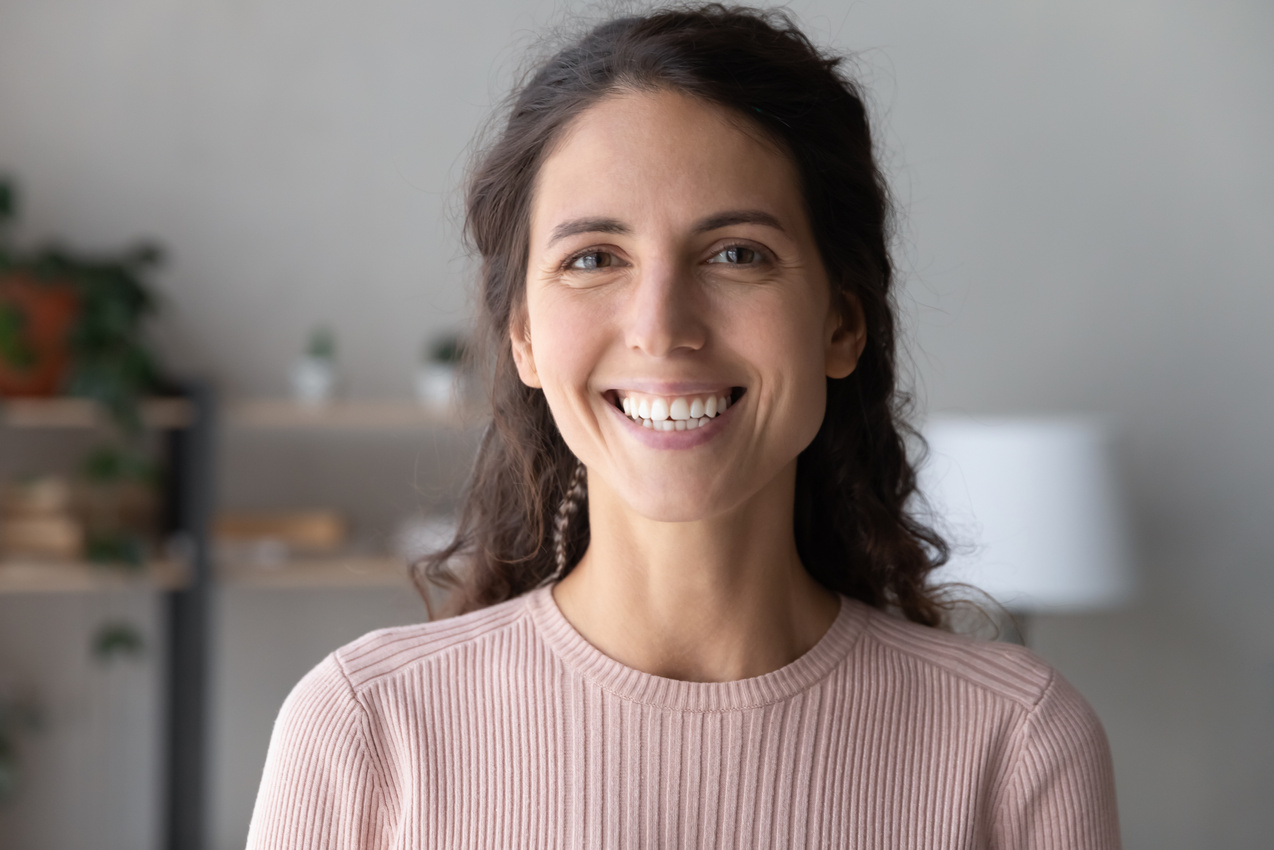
x=680 y=414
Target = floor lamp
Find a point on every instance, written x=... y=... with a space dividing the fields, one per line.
x=1034 y=508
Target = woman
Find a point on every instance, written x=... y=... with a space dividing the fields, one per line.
x=694 y=605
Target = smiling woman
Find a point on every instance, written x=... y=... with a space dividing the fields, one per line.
x=693 y=602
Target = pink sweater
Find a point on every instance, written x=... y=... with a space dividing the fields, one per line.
x=505 y=728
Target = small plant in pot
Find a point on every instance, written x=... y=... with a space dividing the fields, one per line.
x=438 y=380
x=35 y=317
x=314 y=373
x=72 y=324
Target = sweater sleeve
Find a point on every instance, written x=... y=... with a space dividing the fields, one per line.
x=321 y=787
x=1059 y=792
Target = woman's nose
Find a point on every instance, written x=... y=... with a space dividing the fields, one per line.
x=665 y=312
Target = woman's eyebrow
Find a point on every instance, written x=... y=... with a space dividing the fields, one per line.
x=588 y=225
x=713 y=222
x=726 y=219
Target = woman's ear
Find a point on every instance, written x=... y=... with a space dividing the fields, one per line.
x=846 y=337
x=523 y=356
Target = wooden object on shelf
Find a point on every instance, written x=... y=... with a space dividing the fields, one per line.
x=39 y=496
x=51 y=535
x=336 y=571
x=33 y=575
x=36 y=519
x=164 y=413
x=342 y=415
x=311 y=530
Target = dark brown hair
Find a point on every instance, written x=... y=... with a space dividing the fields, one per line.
x=854 y=532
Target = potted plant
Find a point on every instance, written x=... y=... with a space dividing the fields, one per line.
x=71 y=324
x=438 y=378
x=35 y=319
x=314 y=373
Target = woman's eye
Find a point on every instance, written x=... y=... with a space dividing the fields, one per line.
x=737 y=255
x=590 y=260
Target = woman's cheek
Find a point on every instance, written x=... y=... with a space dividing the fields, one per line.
x=567 y=351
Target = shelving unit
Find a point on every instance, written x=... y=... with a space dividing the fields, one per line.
x=341 y=570
x=189 y=424
x=41 y=576
x=160 y=413
x=187 y=421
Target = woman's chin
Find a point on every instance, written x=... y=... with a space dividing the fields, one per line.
x=674 y=507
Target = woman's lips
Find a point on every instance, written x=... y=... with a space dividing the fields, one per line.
x=667 y=431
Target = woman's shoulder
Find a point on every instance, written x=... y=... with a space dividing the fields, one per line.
x=328 y=750
x=1050 y=726
x=391 y=652
x=995 y=669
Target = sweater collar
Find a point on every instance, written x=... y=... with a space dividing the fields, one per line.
x=586 y=660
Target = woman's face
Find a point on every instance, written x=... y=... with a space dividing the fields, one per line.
x=673 y=273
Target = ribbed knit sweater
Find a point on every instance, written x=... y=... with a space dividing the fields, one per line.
x=505 y=728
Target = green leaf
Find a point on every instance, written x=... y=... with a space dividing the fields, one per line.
x=8 y=200
x=15 y=351
x=322 y=344
x=109 y=464
x=116 y=549
x=118 y=640
x=446 y=349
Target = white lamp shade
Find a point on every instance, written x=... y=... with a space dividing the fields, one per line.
x=1033 y=508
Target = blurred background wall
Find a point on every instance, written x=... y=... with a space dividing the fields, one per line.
x=1087 y=199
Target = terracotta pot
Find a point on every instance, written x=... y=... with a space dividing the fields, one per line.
x=49 y=310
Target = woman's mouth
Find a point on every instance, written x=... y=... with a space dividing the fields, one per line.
x=674 y=413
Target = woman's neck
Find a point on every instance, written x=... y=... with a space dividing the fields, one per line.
x=714 y=600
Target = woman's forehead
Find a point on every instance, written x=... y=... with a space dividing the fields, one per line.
x=663 y=155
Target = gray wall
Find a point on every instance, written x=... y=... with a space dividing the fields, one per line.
x=1088 y=195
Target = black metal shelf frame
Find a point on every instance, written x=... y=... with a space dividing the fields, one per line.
x=191 y=454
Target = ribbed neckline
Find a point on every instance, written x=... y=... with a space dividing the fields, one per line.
x=588 y=661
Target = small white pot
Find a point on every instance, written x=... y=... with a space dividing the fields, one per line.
x=436 y=386
x=313 y=380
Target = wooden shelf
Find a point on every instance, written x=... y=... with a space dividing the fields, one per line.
x=318 y=571
x=389 y=414
x=166 y=413
x=37 y=576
